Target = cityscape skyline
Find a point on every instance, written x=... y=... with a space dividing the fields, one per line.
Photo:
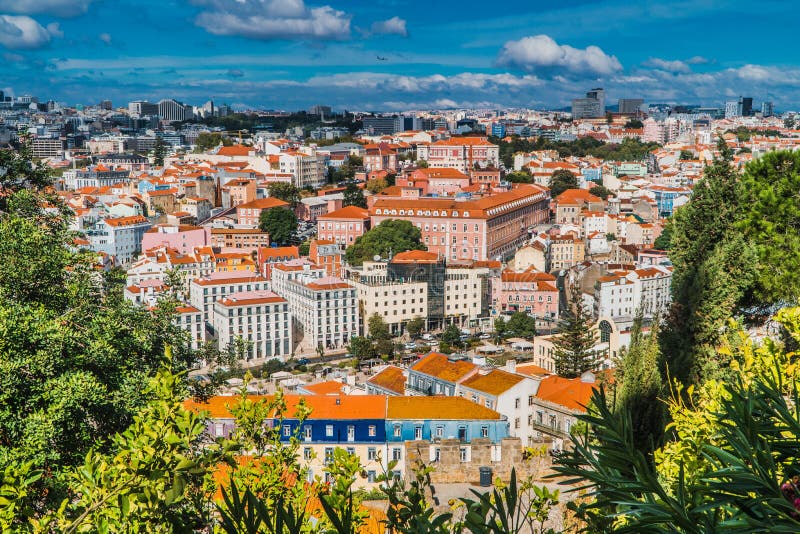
x=290 y=55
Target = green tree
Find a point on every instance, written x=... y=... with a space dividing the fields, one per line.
x=640 y=385
x=279 y=223
x=664 y=241
x=770 y=204
x=378 y=329
x=451 y=336
x=415 y=326
x=686 y=155
x=159 y=151
x=522 y=324
x=574 y=345
x=376 y=185
x=354 y=196
x=421 y=164
x=600 y=191
x=20 y=170
x=500 y=328
x=208 y=140
x=636 y=124
x=390 y=236
x=561 y=180
x=520 y=177
x=361 y=348
x=286 y=192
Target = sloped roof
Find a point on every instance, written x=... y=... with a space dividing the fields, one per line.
x=442 y=408
x=494 y=382
x=438 y=365
x=391 y=379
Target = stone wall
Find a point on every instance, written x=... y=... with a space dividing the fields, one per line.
x=449 y=469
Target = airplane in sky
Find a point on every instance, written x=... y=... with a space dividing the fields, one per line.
x=380 y=58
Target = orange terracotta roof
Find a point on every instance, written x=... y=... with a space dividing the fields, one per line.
x=126 y=221
x=235 y=150
x=438 y=365
x=322 y=406
x=329 y=387
x=348 y=212
x=531 y=369
x=437 y=408
x=570 y=393
x=263 y=203
x=391 y=379
x=416 y=256
x=494 y=382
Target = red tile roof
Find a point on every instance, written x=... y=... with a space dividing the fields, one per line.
x=348 y=212
x=391 y=379
x=441 y=408
x=438 y=365
x=494 y=382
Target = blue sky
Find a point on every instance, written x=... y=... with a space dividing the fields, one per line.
x=289 y=54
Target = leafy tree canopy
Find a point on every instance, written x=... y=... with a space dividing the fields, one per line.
x=279 y=223
x=286 y=192
x=519 y=177
x=600 y=191
x=208 y=140
x=522 y=325
x=354 y=196
x=391 y=235
x=561 y=180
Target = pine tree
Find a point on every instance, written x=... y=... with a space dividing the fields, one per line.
x=159 y=152
x=574 y=345
x=641 y=386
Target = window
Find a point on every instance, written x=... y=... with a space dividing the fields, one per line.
x=351 y=451
x=516 y=403
x=307 y=432
x=417 y=432
x=437 y=454
x=397 y=431
x=287 y=431
x=371 y=476
x=464 y=454
x=439 y=431
x=329 y=431
x=372 y=453
x=307 y=454
x=351 y=433
x=219 y=429
x=516 y=423
x=328 y=455
x=372 y=431
x=396 y=453
x=530 y=400
x=484 y=431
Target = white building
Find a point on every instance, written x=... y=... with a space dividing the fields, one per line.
x=622 y=294
x=190 y=319
x=120 y=237
x=307 y=169
x=205 y=291
x=325 y=307
x=259 y=317
x=460 y=153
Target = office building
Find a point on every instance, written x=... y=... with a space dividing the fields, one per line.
x=732 y=109
x=142 y=107
x=746 y=106
x=630 y=105
x=260 y=317
x=172 y=111
x=383 y=125
x=767 y=110
x=591 y=107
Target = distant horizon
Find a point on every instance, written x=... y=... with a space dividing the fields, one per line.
x=291 y=54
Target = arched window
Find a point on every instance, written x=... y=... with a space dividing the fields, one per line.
x=605 y=331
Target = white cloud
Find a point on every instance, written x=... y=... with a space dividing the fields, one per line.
x=542 y=52
x=273 y=19
x=392 y=26
x=54 y=29
x=22 y=33
x=698 y=60
x=675 y=65
x=56 y=8
x=105 y=37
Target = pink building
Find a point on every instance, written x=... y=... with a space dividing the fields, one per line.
x=461 y=153
x=183 y=238
x=443 y=182
x=249 y=213
x=343 y=226
x=531 y=292
x=380 y=157
x=486 y=228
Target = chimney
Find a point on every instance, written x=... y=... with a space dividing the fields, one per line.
x=511 y=366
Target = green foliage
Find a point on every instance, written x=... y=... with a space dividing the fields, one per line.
x=664 y=241
x=286 y=192
x=415 y=326
x=574 y=346
x=159 y=151
x=208 y=140
x=640 y=385
x=452 y=336
x=522 y=325
x=600 y=191
x=500 y=328
x=629 y=150
x=390 y=236
x=636 y=124
x=686 y=155
x=20 y=171
x=279 y=223
x=376 y=185
x=734 y=444
x=361 y=348
x=347 y=170
x=561 y=180
x=519 y=177
x=770 y=205
x=354 y=196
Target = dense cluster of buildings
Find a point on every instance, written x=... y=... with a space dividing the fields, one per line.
x=189 y=228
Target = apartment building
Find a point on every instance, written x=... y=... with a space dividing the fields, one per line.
x=487 y=228
x=259 y=317
x=180 y=237
x=461 y=153
x=565 y=251
x=119 y=237
x=249 y=213
x=190 y=319
x=205 y=291
x=344 y=225
x=242 y=239
x=530 y=291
